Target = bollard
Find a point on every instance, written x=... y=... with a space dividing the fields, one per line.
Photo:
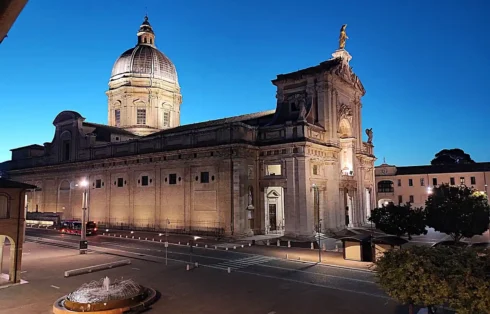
x=146 y=239
x=196 y=264
x=250 y=244
x=287 y=257
x=179 y=242
x=278 y=242
x=229 y=270
x=160 y=240
x=153 y=239
x=268 y=242
x=312 y=246
x=187 y=244
x=206 y=246
x=103 y=233
x=234 y=247
x=120 y=235
x=188 y=267
x=242 y=245
x=132 y=237
x=215 y=247
x=126 y=236
x=226 y=249
x=289 y=243
x=139 y=238
x=324 y=246
x=197 y=245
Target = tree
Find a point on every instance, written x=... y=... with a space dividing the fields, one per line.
x=460 y=212
x=436 y=276
x=399 y=220
x=452 y=157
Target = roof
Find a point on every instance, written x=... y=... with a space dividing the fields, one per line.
x=103 y=132
x=362 y=237
x=426 y=169
x=390 y=240
x=246 y=118
x=324 y=66
x=9 y=184
x=34 y=146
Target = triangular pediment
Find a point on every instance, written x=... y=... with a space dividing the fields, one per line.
x=273 y=194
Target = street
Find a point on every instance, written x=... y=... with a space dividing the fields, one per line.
x=255 y=284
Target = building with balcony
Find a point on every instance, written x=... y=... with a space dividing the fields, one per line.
x=414 y=183
x=294 y=170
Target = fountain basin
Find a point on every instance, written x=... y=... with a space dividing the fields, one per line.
x=98 y=298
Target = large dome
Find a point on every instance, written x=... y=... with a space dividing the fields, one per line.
x=144 y=60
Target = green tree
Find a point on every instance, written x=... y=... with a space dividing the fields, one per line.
x=411 y=276
x=430 y=277
x=458 y=211
x=452 y=157
x=399 y=220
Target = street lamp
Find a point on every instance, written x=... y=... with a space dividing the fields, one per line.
x=83 y=239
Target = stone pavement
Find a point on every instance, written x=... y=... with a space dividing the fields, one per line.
x=203 y=290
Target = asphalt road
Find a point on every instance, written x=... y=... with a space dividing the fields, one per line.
x=341 y=279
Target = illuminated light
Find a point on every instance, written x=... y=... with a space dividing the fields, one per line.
x=106 y=230
x=196 y=237
x=84 y=183
x=429 y=190
x=160 y=234
x=132 y=232
x=386 y=202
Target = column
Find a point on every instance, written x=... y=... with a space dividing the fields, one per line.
x=305 y=224
x=2 y=242
x=291 y=204
x=350 y=204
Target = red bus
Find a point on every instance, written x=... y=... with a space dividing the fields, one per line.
x=75 y=227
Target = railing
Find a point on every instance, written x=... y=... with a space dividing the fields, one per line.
x=173 y=226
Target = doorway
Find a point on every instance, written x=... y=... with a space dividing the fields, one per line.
x=274 y=210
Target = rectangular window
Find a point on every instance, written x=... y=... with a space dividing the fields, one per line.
x=315 y=169
x=144 y=180
x=473 y=180
x=422 y=182
x=385 y=186
x=117 y=117
x=141 y=116
x=120 y=182
x=461 y=180
x=452 y=182
x=172 y=178
x=273 y=170
x=400 y=199
x=410 y=182
x=66 y=150
x=166 y=118
x=411 y=198
x=434 y=181
x=98 y=183
x=399 y=182
x=204 y=177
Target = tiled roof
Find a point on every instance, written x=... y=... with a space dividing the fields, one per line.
x=426 y=169
x=35 y=146
x=8 y=184
x=246 y=118
x=103 y=132
x=324 y=66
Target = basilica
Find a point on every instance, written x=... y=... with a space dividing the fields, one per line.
x=294 y=171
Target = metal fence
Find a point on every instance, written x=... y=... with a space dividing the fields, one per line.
x=209 y=228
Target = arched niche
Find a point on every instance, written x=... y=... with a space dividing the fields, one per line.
x=345 y=128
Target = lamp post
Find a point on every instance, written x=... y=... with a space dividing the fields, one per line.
x=166 y=240
x=192 y=244
x=83 y=239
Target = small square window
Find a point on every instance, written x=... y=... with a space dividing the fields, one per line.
x=411 y=198
x=461 y=180
x=315 y=169
x=473 y=180
x=204 y=177
x=422 y=182
x=399 y=182
x=144 y=180
x=434 y=181
x=273 y=170
x=120 y=182
x=410 y=182
x=452 y=181
x=172 y=178
x=98 y=183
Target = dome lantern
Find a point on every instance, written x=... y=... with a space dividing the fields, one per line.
x=146 y=34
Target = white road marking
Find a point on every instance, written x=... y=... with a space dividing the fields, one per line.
x=56 y=287
x=135 y=268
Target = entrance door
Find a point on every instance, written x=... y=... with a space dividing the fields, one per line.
x=272 y=217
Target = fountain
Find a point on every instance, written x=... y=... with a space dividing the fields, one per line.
x=106 y=297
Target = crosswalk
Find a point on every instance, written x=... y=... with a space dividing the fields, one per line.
x=243 y=262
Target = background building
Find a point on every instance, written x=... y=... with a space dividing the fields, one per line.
x=414 y=183
x=293 y=170
x=9 y=11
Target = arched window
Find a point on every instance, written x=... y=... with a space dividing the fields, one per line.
x=144 y=40
x=151 y=41
x=65 y=186
x=385 y=186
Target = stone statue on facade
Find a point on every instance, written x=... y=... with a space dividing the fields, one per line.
x=343 y=37
x=369 y=133
x=302 y=110
x=250 y=198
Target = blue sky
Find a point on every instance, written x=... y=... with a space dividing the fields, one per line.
x=424 y=64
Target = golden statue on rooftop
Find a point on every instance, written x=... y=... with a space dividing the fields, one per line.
x=343 y=37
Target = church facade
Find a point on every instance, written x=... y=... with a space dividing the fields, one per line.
x=300 y=168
